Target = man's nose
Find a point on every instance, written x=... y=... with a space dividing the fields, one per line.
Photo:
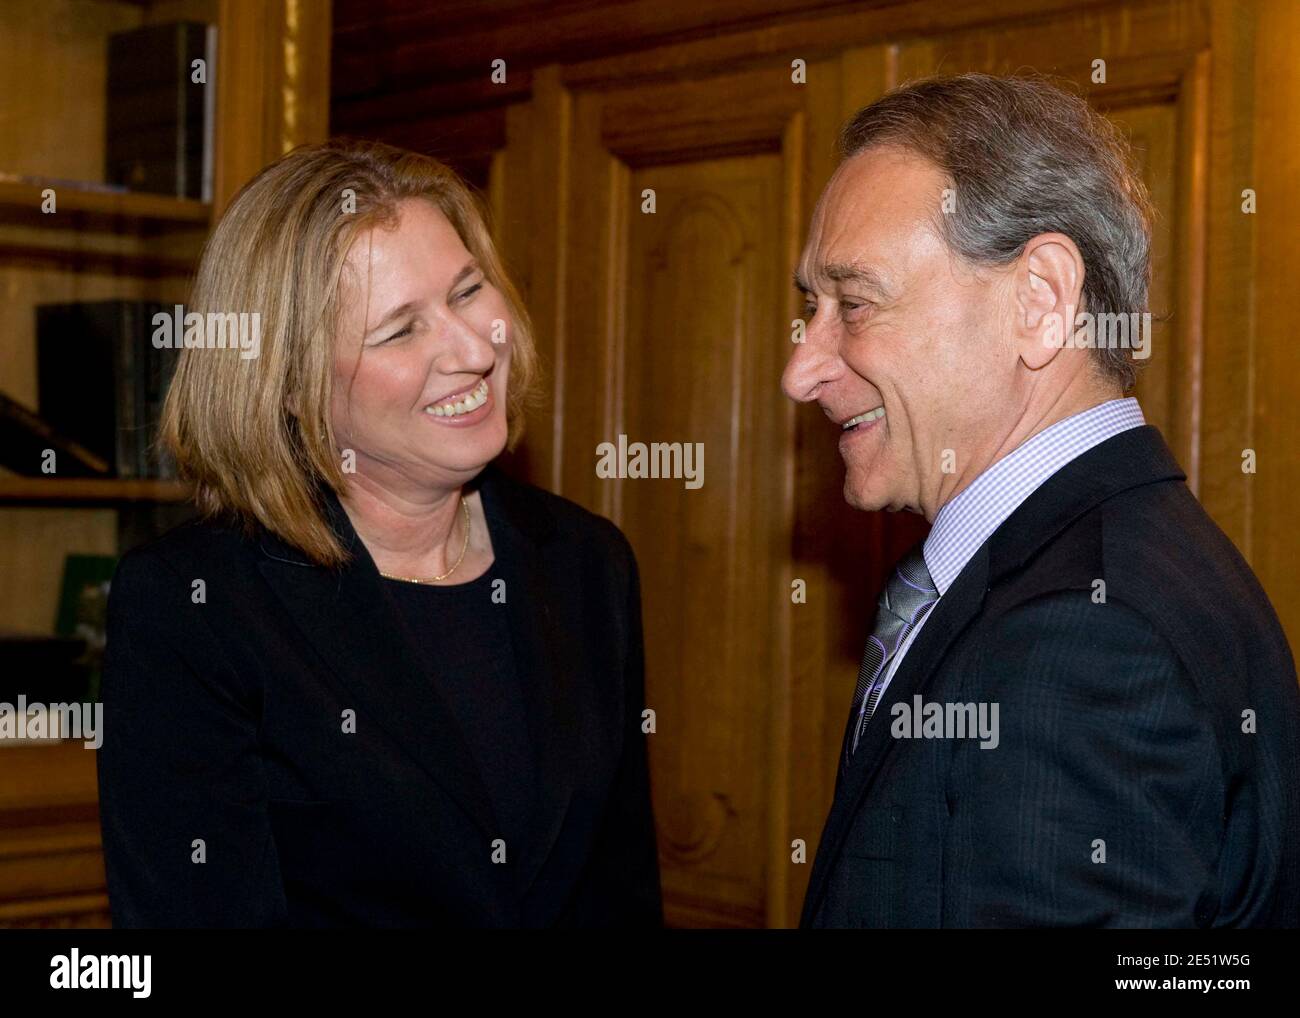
x=812 y=364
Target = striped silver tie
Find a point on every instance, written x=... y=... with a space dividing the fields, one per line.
x=908 y=595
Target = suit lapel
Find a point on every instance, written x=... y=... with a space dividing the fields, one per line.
x=947 y=619
x=346 y=616
x=1131 y=458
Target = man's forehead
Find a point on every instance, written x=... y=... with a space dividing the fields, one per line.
x=873 y=199
x=884 y=172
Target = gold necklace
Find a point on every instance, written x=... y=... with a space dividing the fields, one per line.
x=464 y=548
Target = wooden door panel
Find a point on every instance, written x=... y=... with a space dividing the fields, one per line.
x=675 y=325
x=702 y=304
x=1152 y=130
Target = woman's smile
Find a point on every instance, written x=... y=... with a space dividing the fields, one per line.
x=463 y=409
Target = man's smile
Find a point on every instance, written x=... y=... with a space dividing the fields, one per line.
x=874 y=414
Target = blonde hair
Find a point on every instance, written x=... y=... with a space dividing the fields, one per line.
x=280 y=251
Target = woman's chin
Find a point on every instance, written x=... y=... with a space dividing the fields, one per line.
x=473 y=450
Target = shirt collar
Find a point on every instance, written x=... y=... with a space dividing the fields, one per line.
x=967 y=521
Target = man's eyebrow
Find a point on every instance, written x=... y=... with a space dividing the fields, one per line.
x=842 y=272
x=406 y=307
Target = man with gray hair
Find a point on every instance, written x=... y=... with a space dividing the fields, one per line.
x=1146 y=770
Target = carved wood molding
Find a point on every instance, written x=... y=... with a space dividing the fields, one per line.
x=272 y=85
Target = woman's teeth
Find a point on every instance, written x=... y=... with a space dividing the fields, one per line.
x=464 y=405
x=870 y=415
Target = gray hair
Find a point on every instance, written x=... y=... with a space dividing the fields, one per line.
x=1027 y=158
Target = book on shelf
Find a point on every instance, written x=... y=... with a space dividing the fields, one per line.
x=102 y=382
x=75 y=185
x=159 y=120
x=26 y=441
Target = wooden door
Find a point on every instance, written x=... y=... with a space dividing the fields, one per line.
x=699 y=367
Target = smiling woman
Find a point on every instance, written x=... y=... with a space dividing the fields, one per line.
x=340 y=231
x=379 y=683
x=416 y=375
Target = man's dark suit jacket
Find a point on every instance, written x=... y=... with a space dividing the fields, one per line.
x=1162 y=727
x=224 y=722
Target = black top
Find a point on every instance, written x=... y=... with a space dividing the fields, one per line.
x=288 y=721
x=464 y=638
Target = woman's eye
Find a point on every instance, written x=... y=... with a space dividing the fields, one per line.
x=398 y=335
x=466 y=294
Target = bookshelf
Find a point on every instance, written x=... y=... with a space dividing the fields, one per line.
x=270 y=92
x=87 y=491
x=101 y=210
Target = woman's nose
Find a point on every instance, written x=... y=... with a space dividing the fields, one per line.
x=465 y=349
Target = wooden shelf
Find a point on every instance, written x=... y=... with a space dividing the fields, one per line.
x=50 y=775
x=19 y=201
x=80 y=259
x=75 y=491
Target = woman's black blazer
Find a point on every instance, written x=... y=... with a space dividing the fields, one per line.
x=233 y=791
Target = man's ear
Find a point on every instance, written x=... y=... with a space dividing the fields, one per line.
x=1048 y=285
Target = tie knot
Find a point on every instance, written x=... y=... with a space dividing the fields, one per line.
x=910 y=589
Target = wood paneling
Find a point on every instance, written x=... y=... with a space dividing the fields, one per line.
x=532 y=212
x=648 y=357
x=697 y=368
x=272 y=83
x=1228 y=379
x=51 y=867
x=394 y=44
x=1276 y=426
